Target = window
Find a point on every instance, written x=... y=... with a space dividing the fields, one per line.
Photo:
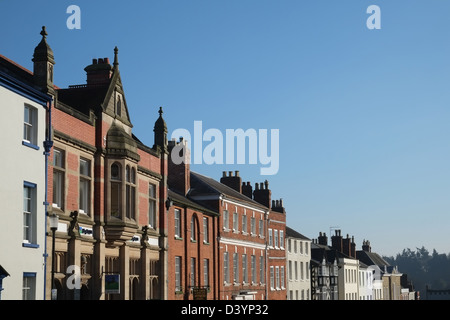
x=289 y=245
x=85 y=186
x=244 y=223
x=306 y=248
x=282 y=276
x=205 y=230
x=290 y=269
x=29 y=286
x=296 y=270
x=235 y=267
x=58 y=178
x=119 y=106
x=152 y=206
x=281 y=239
x=193 y=229
x=206 y=272
x=261 y=228
x=30 y=126
x=302 y=277
x=116 y=191
x=295 y=246
x=235 y=221
x=307 y=270
x=29 y=213
x=253 y=225
x=261 y=270
x=192 y=275
x=244 y=269
x=270 y=238
x=253 y=268
x=301 y=247
x=178 y=274
x=178 y=223
x=271 y=278
x=226 y=269
x=226 y=222
x=130 y=177
x=277 y=277
x=275 y=236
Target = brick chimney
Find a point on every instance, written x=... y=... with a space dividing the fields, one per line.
x=99 y=72
x=353 y=247
x=323 y=239
x=233 y=181
x=247 y=189
x=336 y=241
x=366 y=246
x=179 y=167
x=262 y=194
x=346 y=246
x=277 y=205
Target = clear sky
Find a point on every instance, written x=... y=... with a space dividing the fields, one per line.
x=363 y=115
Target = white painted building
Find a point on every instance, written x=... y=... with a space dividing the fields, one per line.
x=348 y=278
x=23 y=186
x=298 y=256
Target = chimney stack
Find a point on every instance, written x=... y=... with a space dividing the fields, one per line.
x=263 y=194
x=234 y=182
x=179 y=173
x=247 y=189
x=336 y=241
x=323 y=240
x=366 y=246
x=99 y=72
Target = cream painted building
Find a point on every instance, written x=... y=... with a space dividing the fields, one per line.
x=298 y=256
x=23 y=187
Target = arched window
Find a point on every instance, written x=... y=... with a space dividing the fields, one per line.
x=130 y=192
x=116 y=191
x=193 y=229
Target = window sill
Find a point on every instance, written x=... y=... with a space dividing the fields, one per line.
x=30 y=145
x=30 y=245
x=178 y=238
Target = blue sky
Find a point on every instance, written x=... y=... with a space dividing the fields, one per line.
x=363 y=115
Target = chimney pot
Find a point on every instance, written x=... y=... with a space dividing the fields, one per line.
x=100 y=61
x=94 y=61
x=224 y=174
x=230 y=173
x=106 y=60
x=236 y=173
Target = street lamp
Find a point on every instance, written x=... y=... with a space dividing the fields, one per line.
x=54 y=219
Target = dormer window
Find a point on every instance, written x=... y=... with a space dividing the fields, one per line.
x=119 y=106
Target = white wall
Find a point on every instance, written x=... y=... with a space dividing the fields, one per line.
x=297 y=285
x=20 y=163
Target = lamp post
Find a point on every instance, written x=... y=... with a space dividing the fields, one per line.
x=54 y=219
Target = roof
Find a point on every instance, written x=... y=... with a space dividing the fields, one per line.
x=179 y=198
x=294 y=234
x=371 y=258
x=203 y=185
x=83 y=98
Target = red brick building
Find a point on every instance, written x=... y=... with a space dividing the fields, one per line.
x=106 y=187
x=192 y=237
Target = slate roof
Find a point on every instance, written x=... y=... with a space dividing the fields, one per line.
x=180 y=199
x=371 y=258
x=203 y=185
x=294 y=234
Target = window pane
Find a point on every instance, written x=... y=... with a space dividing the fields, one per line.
x=85 y=167
x=84 y=195
x=116 y=202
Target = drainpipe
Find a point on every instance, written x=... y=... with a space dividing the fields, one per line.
x=48 y=144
